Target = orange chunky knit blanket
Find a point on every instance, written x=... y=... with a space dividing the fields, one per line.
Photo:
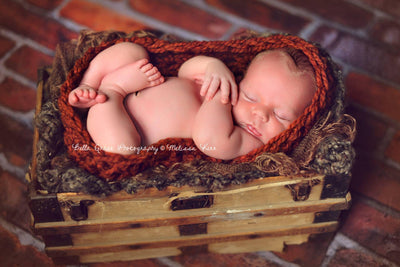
x=168 y=56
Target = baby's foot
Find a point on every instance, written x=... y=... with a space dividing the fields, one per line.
x=85 y=97
x=132 y=78
x=153 y=75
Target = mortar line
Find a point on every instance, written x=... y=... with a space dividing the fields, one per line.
x=24 y=237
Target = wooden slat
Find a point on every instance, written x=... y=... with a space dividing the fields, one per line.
x=263 y=192
x=190 y=217
x=171 y=232
x=261 y=244
x=130 y=255
x=261 y=223
x=190 y=240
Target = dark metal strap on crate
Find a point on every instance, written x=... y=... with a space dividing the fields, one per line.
x=335 y=186
x=46 y=209
x=79 y=211
x=195 y=202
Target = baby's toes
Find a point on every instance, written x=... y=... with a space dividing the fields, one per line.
x=73 y=98
x=142 y=62
x=156 y=79
x=92 y=94
x=145 y=68
x=85 y=93
x=78 y=92
x=100 y=98
x=76 y=95
x=149 y=70
x=153 y=74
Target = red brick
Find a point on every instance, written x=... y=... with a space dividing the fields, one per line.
x=360 y=53
x=14 y=200
x=311 y=253
x=184 y=16
x=353 y=258
x=393 y=150
x=42 y=29
x=370 y=131
x=17 y=160
x=5 y=45
x=391 y=7
x=12 y=253
x=387 y=32
x=263 y=14
x=336 y=10
x=27 y=61
x=46 y=4
x=100 y=17
x=17 y=96
x=373 y=94
x=231 y=260
x=15 y=139
x=375 y=230
x=377 y=181
x=326 y=36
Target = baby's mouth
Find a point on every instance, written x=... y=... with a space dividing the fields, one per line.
x=253 y=131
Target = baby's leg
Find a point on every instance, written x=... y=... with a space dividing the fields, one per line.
x=111 y=59
x=110 y=126
x=108 y=123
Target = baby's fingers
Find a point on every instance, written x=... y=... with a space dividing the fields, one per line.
x=229 y=88
x=212 y=88
x=225 y=91
x=205 y=86
x=234 y=93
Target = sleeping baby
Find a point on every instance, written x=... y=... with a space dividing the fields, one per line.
x=131 y=104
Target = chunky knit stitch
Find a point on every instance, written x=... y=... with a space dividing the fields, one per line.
x=168 y=57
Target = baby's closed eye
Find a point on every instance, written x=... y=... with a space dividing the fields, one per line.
x=248 y=97
x=282 y=117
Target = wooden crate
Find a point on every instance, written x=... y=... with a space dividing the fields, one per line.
x=263 y=215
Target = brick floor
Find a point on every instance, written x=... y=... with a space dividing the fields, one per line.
x=363 y=36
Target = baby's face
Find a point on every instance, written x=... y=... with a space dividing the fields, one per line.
x=272 y=95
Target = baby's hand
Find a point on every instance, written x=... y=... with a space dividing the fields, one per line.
x=218 y=76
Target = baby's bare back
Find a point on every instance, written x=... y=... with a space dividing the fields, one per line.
x=166 y=110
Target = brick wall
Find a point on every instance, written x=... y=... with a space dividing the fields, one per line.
x=363 y=36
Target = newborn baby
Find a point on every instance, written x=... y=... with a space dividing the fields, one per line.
x=131 y=104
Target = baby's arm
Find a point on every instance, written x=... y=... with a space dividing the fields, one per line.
x=212 y=74
x=216 y=135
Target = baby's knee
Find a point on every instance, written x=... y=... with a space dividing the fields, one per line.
x=132 y=51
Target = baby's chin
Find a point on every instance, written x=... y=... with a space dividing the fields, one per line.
x=265 y=139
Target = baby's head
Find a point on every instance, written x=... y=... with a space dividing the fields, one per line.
x=277 y=87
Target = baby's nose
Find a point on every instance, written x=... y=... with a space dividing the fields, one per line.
x=261 y=114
